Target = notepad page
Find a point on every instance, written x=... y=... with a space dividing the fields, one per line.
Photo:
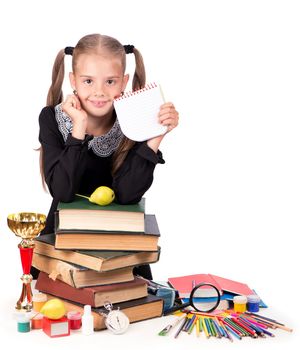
x=138 y=111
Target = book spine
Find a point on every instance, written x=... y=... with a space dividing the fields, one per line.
x=60 y=289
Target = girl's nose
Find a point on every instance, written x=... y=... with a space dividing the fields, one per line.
x=98 y=91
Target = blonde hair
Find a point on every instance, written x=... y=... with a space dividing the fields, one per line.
x=95 y=44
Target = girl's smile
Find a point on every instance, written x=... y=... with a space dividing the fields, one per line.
x=98 y=104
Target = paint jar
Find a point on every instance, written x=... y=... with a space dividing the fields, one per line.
x=37 y=321
x=38 y=301
x=240 y=303
x=23 y=321
x=74 y=318
x=253 y=303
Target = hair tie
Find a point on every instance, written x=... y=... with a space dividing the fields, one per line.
x=128 y=48
x=69 y=50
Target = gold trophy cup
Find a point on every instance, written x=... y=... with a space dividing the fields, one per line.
x=27 y=226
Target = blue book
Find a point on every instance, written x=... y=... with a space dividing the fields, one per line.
x=225 y=296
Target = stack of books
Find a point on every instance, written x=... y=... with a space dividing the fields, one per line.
x=90 y=258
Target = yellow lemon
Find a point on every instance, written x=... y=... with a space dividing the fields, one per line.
x=53 y=309
x=102 y=195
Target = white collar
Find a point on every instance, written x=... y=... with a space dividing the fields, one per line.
x=102 y=146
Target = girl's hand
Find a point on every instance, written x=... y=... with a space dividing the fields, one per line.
x=168 y=116
x=79 y=117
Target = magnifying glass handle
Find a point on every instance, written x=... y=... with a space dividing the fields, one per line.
x=175 y=308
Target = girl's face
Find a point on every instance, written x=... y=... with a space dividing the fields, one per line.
x=98 y=80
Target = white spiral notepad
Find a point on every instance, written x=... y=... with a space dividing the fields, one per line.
x=137 y=113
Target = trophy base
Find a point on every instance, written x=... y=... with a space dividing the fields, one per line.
x=25 y=300
x=24 y=307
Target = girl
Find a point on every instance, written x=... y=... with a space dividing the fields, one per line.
x=82 y=145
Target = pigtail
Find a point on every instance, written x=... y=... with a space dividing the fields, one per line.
x=138 y=82
x=54 y=97
x=139 y=77
x=55 y=94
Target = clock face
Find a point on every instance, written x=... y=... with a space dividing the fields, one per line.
x=117 y=322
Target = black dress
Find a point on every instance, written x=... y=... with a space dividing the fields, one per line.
x=71 y=167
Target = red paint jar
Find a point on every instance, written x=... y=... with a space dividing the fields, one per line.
x=37 y=322
x=74 y=318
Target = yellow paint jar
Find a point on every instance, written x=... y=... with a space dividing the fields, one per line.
x=240 y=303
x=38 y=301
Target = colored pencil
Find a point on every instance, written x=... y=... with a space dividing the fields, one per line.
x=257 y=329
x=170 y=326
x=208 y=326
x=263 y=317
x=268 y=333
x=222 y=328
x=201 y=323
x=267 y=323
x=192 y=325
x=225 y=331
x=282 y=327
x=198 y=327
x=218 y=327
x=233 y=332
x=234 y=327
x=181 y=326
x=219 y=334
x=253 y=321
x=205 y=328
x=212 y=328
x=247 y=329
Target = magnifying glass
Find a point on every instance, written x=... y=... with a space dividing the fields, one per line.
x=204 y=297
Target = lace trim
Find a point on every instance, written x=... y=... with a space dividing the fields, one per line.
x=102 y=146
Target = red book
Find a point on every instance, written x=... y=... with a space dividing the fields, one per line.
x=184 y=284
x=94 y=296
x=233 y=287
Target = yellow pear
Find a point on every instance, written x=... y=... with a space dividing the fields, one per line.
x=102 y=195
x=53 y=309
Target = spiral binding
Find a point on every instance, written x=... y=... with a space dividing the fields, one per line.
x=136 y=92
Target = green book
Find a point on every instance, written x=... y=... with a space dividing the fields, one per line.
x=84 y=204
x=81 y=214
x=110 y=240
x=97 y=260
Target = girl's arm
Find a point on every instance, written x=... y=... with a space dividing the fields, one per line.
x=135 y=175
x=63 y=162
x=168 y=116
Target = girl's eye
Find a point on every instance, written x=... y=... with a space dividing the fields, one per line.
x=110 y=82
x=88 y=81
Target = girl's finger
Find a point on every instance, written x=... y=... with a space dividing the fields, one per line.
x=164 y=116
x=166 y=111
x=170 y=121
x=167 y=105
x=72 y=101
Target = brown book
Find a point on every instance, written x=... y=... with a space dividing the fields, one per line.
x=100 y=240
x=98 y=260
x=78 y=276
x=136 y=310
x=94 y=296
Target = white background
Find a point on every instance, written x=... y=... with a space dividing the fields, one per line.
x=227 y=199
